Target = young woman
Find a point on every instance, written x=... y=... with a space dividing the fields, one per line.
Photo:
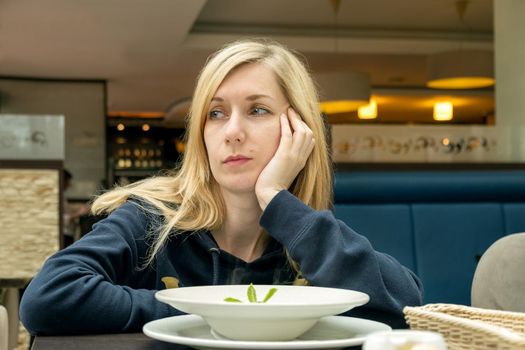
x=249 y=204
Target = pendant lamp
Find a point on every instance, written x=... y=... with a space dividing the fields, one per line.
x=176 y=112
x=343 y=91
x=461 y=69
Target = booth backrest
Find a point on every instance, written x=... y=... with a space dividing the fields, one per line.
x=436 y=223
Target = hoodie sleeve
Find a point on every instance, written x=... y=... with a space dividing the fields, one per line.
x=96 y=285
x=331 y=254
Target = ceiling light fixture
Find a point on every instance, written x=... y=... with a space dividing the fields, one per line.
x=443 y=111
x=461 y=69
x=369 y=111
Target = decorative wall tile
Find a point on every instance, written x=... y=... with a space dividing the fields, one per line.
x=29 y=220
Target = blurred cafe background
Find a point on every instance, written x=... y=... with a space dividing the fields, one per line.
x=424 y=99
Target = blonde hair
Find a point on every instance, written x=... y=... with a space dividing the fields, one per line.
x=189 y=199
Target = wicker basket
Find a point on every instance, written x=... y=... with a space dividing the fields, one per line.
x=466 y=327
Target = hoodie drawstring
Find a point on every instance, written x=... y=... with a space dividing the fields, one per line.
x=215 y=257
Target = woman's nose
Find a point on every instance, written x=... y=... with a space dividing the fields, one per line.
x=235 y=129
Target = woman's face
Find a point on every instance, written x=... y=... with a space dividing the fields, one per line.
x=242 y=130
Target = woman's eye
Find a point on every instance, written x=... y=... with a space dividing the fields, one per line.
x=215 y=114
x=259 y=111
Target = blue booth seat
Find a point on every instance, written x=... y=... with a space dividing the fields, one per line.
x=436 y=223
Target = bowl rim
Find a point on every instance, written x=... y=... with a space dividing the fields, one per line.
x=355 y=298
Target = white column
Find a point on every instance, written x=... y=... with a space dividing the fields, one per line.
x=11 y=304
x=509 y=46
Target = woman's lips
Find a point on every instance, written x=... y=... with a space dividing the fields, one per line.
x=236 y=160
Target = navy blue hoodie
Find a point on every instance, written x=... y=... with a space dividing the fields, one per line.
x=100 y=284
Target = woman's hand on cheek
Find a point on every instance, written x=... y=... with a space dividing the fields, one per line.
x=296 y=144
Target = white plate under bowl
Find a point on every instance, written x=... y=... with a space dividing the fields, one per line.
x=332 y=332
x=290 y=312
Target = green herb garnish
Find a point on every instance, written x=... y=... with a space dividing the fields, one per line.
x=252 y=296
x=270 y=294
x=232 y=300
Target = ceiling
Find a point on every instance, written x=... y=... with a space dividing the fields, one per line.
x=151 y=51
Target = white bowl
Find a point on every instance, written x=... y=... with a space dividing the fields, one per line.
x=290 y=312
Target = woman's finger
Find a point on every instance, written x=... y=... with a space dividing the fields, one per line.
x=302 y=135
x=286 y=132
